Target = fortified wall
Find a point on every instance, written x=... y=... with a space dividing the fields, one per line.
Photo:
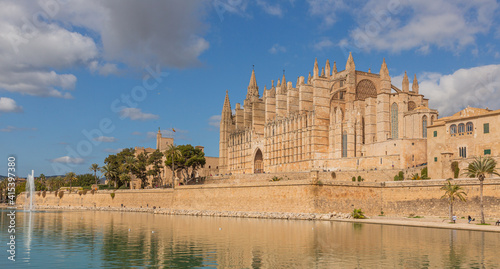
x=403 y=198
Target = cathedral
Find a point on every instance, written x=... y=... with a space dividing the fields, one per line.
x=333 y=121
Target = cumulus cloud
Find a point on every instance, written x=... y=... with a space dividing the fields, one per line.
x=106 y=139
x=214 y=121
x=276 y=48
x=8 y=105
x=68 y=160
x=40 y=40
x=421 y=25
x=327 y=10
x=136 y=114
x=475 y=87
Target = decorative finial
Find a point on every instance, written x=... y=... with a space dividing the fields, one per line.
x=253 y=66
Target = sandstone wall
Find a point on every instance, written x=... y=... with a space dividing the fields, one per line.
x=295 y=196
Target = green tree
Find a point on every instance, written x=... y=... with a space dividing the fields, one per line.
x=43 y=180
x=452 y=192
x=173 y=160
x=109 y=172
x=70 y=176
x=139 y=169
x=95 y=167
x=479 y=168
x=192 y=159
x=84 y=180
x=117 y=165
x=155 y=160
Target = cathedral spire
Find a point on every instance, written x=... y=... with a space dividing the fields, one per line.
x=283 y=83
x=414 y=86
x=350 y=66
x=384 y=72
x=227 y=105
x=327 y=68
x=406 y=83
x=334 y=69
x=316 y=69
x=308 y=78
x=253 y=89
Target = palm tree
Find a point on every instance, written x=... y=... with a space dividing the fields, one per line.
x=108 y=171
x=174 y=153
x=69 y=177
x=95 y=167
x=479 y=168
x=451 y=192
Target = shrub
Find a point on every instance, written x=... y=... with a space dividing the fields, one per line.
x=55 y=193
x=112 y=195
x=44 y=193
x=84 y=192
x=92 y=191
x=275 y=178
x=353 y=178
x=124 y=187
x=80 y=193
x=358 y=214
x=61 y=194
x=400 y=176
x=360 y=179
x=416 y=176
x=424 y=174
x=39 y=193
x=334 y=176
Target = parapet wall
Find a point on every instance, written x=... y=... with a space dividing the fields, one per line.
x=297 y=196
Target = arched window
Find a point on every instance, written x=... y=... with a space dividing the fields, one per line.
x=424 y=126
x=453 y=130
x=461 y=129
x=365 y=89
x=469 y=127
x=394 y=121
x=344 y=144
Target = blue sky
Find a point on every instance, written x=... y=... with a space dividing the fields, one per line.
x=80 y=80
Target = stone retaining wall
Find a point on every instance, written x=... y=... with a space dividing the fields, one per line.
x=296 y=196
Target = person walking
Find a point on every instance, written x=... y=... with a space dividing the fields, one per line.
x=470 y=219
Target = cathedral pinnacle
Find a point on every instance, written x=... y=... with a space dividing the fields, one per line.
x=384 y=72
x=350 y=66
x=327 y=68
x=253 y=89
x=406 y=83
x=283 y=83
x=334 y=67
x=316 y=69
x=414 y=86
x=227 y=104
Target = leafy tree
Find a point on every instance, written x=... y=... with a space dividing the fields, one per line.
x=95 y=167
x=117 y=165
x=479 y=168
x=139 y=169
x=70 y=176
x=43 y=180
x=452 y=192
x=173 y=160
x=192 y=159
x=155 y=159
x=85 y=180
x=109 y=172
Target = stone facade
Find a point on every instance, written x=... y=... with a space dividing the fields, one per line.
x=211 y=168
x=469 y=133
x=333 y=121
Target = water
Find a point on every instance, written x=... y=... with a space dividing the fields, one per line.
x=88 y=239
x=30 y=191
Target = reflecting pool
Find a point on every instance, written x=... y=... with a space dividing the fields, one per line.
x=96 y=239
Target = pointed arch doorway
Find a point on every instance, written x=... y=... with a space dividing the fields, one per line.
x=258 y=162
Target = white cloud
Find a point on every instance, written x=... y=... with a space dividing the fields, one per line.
x=327 y=10
x=68 y=160
x=276 y=48
x=136 y=133
x=323 y=44
x=136 y=114
x=106 y=139
x=420 y=25
x=274 y=10
x=214 y=121
x=8 y=105
x=40 y=40
x=10 y=128
x=476 y=87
